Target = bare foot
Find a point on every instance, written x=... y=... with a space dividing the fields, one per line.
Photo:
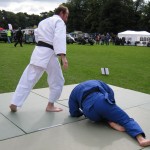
x=13 y=108
x=116 y=126
x=51 y=108
x=142 y=141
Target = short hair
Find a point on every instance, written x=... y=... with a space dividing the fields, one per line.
x=62 y=9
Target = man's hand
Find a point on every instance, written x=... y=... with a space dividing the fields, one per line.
x=64 y=61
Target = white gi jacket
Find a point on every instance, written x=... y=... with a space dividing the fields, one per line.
x=52 y=31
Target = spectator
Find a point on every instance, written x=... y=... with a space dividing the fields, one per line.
x=107 y=38
x=102 y=39
x=18 y=37
x=9 y=36
x=97 y=39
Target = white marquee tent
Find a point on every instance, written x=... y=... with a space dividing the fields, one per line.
x=134 y=36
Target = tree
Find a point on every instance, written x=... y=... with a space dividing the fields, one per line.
x=116 y=16
x=91 y=16
x=77 y=15
x=100 y=15
x=138 y=5
x=145 y=18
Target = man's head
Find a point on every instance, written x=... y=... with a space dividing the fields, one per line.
x=63 y=12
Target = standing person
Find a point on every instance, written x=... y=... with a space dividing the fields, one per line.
x=97 y=39
x=18 y=37
x=95 y=100
x=9 y=36
x=107 y=38
x=51 y=43
x=102 y=39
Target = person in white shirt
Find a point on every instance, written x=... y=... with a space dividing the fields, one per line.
x=50 y=37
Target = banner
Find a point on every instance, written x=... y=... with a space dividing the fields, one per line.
x=10 y=27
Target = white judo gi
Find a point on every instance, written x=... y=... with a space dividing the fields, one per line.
x=52 y=31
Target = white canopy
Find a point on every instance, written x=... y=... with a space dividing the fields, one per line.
x=133 y=36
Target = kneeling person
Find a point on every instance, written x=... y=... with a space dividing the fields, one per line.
x=95 y=100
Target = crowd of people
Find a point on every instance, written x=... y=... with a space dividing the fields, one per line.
x=19 y=36
x=103 y=39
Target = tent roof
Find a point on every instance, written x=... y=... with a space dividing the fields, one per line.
x=129 y=32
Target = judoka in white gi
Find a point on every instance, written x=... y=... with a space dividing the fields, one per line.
x=50 y=37
x=95 y=99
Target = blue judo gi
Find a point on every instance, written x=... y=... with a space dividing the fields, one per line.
x=95 y=100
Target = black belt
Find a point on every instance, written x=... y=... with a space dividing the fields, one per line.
x=40 y=43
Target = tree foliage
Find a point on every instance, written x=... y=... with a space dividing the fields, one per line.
x=20 y=19
x=91 y=16
x=108 y=15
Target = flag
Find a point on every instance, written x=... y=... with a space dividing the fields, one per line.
x=10 y=27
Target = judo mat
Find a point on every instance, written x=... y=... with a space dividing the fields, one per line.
x=34 y=128
x=33 y=117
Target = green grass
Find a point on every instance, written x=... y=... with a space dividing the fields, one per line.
x=129 y=66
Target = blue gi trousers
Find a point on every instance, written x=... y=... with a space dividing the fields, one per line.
x=102 y=109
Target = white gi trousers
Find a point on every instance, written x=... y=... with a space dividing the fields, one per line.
x=32 y=74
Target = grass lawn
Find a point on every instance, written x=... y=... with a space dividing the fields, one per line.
x=129 y=66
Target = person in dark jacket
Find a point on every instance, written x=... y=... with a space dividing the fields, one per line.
x=95 y=100
x=18 y=37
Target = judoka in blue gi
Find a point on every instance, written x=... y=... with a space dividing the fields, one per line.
x=95 y=100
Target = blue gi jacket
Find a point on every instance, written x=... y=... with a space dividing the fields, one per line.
x=81 y=92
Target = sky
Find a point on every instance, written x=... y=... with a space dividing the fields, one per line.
x=30 y=6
